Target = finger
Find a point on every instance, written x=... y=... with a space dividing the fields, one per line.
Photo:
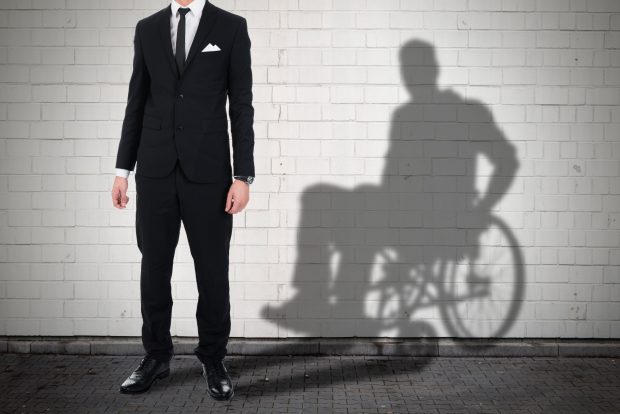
x=124 y=199
x=235 y=207
x=115 y=198
x=228 y=201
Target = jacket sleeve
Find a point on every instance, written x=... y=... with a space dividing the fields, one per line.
x=139 y=85
x=240 y=106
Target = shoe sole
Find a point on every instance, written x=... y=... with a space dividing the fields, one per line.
x=162 y=374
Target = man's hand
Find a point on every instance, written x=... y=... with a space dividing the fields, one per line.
x=238 y=197
x=119 y=192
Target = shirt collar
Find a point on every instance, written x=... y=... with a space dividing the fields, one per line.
x=195 y=7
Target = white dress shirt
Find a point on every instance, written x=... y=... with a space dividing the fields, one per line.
x=192 y=18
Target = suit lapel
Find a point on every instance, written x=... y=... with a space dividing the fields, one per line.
x=207 y=21
x=163 y=26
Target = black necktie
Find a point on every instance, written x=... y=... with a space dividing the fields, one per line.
x=180 y=49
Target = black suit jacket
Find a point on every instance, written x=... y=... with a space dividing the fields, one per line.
x=170 y=117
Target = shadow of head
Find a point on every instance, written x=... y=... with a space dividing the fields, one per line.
x=418 y=65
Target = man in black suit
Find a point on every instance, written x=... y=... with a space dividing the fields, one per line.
x=188 y=58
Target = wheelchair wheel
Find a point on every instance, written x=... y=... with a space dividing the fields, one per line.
x=482 y=295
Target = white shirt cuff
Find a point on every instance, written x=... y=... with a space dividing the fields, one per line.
x=121 y=172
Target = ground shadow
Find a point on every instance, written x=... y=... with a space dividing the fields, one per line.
x=421 y=254
x=260 y=376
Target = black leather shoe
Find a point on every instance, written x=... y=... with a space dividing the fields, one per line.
x=143 y=377
x=219 y=384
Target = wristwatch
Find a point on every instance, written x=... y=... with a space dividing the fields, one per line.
x=247 y=178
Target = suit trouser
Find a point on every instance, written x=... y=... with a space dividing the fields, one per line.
x=161 y=205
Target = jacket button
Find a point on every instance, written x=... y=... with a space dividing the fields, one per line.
x=180 y=96
x=180 y=127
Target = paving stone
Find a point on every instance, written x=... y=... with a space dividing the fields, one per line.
x=451 y=348
x=316 y=384
x=589 y=349
x=18 y=346
x=60 y=347
x=332 y=346
x=113 y=347
x=378 y=347
x=270 y=347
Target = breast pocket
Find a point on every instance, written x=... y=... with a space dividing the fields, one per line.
x=213 y=65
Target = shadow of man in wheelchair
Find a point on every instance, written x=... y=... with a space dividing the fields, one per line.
x=371 y=257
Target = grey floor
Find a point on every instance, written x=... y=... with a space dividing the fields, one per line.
x=39 y=383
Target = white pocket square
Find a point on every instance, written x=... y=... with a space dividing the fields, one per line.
x=211 y=48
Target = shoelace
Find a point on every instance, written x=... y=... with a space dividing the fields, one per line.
x=139 y=372
x=216 y=367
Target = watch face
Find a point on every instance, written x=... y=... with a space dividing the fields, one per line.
x=245 y=178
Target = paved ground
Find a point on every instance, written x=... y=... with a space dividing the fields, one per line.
x=38 y=383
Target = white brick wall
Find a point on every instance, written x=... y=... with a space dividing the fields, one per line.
x=341 y=157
